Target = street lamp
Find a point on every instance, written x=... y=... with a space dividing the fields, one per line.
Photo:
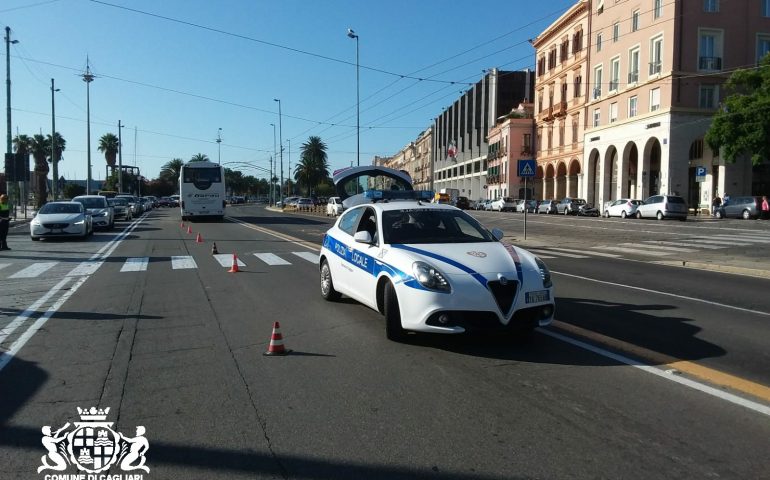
x=88 y=77
x=280 y=135
x=54 y=160
x=219 y=146
x=8 y=43
x=272 y=174
x=353 y=34
x=120 y=157
x=290 y=191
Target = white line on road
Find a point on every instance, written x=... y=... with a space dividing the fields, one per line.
x=226 y=260
x=667 y=294
x=659 y=248
x=683 y=244
x=309 y=256
x=743 y=239
x=757 y=407
x=3 y=265
x=33 y=270
x=726 y=243
x=627 y=250
x=32 y=309
x=558 y=254
x=135 y=264
x=183 y=261
x=86 y=268
x=271 y=259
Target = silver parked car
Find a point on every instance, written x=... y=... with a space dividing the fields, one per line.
x=570 y=206
x=61 y=219
x=506 y=204
x=121 y=207
x=744 y=207
x=102 y=214
x=622 y=207
x=548 y=206
x=663 y=206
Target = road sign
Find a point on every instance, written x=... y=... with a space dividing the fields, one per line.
x=700 y=174
x=526 y=168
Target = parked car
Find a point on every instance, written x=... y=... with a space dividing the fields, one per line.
x=102 y=214
x=462 y=203
x=505 y=204
x=334 y=207
x=744 y=207
x=174 y=200
x=304 y=204
x=623 y=207
x=164 y=202
x=587 y=210
x=548 y=206
x=663 y=206
x=482 y=204
x=61 y=219
x=531 y=206
x=121 y=208
x=133 y=203
x=569 y=206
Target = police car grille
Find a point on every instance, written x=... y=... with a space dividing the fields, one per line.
x=56 y=225
x=504 y=294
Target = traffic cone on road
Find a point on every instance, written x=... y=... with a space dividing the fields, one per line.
x=276 y=342
x=189 y=229
x=234 y=268
x=181 y=224
x=199 y=239
x=214 y=250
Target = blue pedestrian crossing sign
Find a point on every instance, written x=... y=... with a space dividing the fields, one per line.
x=526 y=168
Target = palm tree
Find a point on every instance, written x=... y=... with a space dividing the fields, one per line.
x=171 y=170
x=314 y=164
x=109 y=146
x=199 y=157
x=39 y=147
x=60 y=145
x=21 y=144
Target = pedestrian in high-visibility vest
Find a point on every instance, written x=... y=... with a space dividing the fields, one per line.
x=5 y=219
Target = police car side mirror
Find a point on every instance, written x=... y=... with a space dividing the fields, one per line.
x=363 y=237
x=497 y=233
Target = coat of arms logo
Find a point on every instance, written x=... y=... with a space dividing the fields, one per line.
x=93 y=446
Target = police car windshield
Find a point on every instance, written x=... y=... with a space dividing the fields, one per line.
x=432 y=226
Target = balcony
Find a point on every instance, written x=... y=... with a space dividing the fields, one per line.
x=525 y=151
x=655 y=67
x=561 y=109
x=710 y=63
x=633 y=77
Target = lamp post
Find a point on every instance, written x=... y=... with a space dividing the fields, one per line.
x=54 y=160
x=272 y=174
x=120 y=157
x=353 y=34
x=291 y=191
x=219 y=146
x=8 y=43
x=280 y=135
x=88 y=77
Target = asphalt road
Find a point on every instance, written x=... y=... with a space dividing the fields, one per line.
x=649 y=370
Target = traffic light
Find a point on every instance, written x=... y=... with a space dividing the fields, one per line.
x=10 y=167
x=21 y=167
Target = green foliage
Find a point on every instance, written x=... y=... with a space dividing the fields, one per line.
x=199 y=157
x=742 y=126
x=170 y=171
x=72 y=190
x=313 y=166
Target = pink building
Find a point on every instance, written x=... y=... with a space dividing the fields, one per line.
x=656 y=68
x=509 y=141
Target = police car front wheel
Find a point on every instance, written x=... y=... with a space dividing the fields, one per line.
x=393 y=329
x=327 y=285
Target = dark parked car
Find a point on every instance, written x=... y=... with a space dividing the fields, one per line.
x=462 y=203
x=744 y=207
x=588 y=210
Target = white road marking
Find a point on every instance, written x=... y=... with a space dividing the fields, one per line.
x=16 y=323
x=726 y=243
x=598 y=254
x=3 y=265
x=667 y=294
x=182 y=262
x=543 y=256
x=34 y=270
x=309 y=256
x=271 y=259
x=661 y=248
x=86 y=268
x=683 y=244
x=627 y=250
x=743 y=238
x=558 y=254
x=135 y=264
x=757 y=407
x=226 y=260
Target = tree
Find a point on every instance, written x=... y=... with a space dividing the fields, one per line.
x=199 y=157
x=72 y=190
x=742 y=125
x=109 y=146
x=314 y=163
x=39 y=147
x=22 y=144
x=171 y=170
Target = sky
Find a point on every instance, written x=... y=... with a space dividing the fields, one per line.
x=175 y=72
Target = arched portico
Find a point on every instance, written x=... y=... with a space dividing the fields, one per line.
x=629 y=168
x=592 y=178
x=548 y=189
x=609 y=175
x=572 y=178
x=560 y=182
x=538 y=183
x=651 y=168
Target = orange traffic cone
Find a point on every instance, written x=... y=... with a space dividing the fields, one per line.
x=181 y=224
x=234 y=268
x=198 y=239
x=189 y=229
x=276 y=342
x=214 y=250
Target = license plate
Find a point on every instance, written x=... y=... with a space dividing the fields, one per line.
x=537 y=297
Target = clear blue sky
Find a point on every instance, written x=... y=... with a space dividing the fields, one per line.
x=153 y=73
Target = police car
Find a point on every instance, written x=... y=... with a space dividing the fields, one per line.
x=428 y=267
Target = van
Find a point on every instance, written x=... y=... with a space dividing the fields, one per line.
x=744 y=207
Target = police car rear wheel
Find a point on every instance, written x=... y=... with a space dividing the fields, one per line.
x=327 y=286
x=393 y=329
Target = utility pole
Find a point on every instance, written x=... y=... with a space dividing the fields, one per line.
x=219 y=146
x=271 y=159
x=289 y=152
x=9 y=149
x=54 y=159
x=272 y=197
x=88 y=77
x=280 y=135
x=120 y=157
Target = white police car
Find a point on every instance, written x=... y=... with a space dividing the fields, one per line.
x=430 y=267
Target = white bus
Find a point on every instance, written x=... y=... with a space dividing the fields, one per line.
x=202 y=190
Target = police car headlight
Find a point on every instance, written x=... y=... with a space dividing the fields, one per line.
x=429 y=277
x=545 y=274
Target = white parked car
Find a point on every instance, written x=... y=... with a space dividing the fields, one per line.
x=61 y=219
x=433 y=268
x=623 y=207
x=102 y=213
x=663 y=206
x=334 y=207
x=506 y=204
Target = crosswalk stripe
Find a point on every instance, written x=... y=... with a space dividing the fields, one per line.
x=226 y=260
x=726 y=243
x=86 y=268
x=271 y=259
x=743 y=238
x=3 y=265
x=33 y=270
x=663 y=248
x=557 y=251
x=135 y=264
x=683 y=244
x=558 y=254
x=182 y=262
x=615 y=248
x=309 y=256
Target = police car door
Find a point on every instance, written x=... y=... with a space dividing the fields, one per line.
x=363 y=257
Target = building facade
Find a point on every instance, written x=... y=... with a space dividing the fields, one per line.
x=561 y=94
x=509 y=141
x=414 y=159
x=656 y=70
x=459 y=141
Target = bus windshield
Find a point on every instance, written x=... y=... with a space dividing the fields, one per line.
x=202 y=177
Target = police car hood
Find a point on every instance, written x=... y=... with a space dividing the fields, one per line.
x=486 y=258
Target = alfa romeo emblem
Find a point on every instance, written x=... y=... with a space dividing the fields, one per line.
x=477 y=254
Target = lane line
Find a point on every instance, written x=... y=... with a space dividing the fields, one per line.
x=31 y=310
x=181 y=262
x=683 y=244
x=725 y=243
x=226 y=260
x=626 y=250
x=732 y=398
x=309 y=256
x=659 y=248
x=86 y=268
x=267 y=231
x=34 y=270
x=271 y=259
x=555 y=253
x=667 y=294
x=135 y=264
